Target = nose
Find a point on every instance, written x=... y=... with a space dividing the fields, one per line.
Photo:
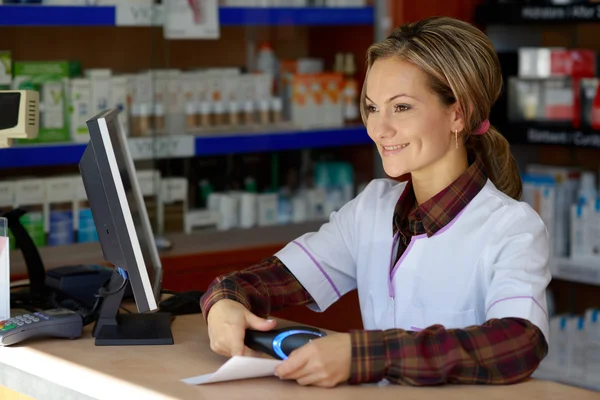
x=383 y=128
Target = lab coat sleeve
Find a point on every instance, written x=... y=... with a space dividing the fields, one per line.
x=518 y=256
x=324 y=262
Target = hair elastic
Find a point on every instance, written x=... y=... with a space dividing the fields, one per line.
x=483 y=128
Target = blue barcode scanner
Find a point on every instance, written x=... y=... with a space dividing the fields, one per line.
x=279 y=343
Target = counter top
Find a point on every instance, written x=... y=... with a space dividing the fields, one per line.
x=76 y=369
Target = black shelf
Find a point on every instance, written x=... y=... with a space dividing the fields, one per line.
x=550 y=134
x=513 y=14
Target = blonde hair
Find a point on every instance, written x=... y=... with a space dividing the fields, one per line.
x=463 y=67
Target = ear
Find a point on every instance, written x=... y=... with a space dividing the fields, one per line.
x=457 y=118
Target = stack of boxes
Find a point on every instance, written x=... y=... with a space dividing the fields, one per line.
x=170 y=101
x=555 y=85
x=58 y=212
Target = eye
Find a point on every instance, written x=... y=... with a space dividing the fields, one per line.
x=401 y=107
x=371 y=108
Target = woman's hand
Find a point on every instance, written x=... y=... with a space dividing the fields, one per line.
x=227 y=323
x=323 y=362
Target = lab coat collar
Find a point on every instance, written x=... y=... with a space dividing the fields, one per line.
x=437 y=212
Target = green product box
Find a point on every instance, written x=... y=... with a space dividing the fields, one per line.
x=5 y=69
x=51 y=80
x=33 y=222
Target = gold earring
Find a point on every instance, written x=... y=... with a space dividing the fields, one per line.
x=456 y=137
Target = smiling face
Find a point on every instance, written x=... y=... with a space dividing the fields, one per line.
x=411 y=127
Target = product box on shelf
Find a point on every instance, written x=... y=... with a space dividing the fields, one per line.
x=118 y=94
x=80 y=108
x=545 y=100
x=558 y=100
x=524 y=99
x=5 y=68
x=197 y=220
x=150 y=186
x=574 y=349
x=268 y=209
x=101 y=86
x=30 y=195
x=539 y=191
x=174 y=204
x=84 y=224
x=545 y=62
x=589 y=99
x=317 y=99
x=50 y=78
x=7 y=201
x=566 y=182
x=59 y=210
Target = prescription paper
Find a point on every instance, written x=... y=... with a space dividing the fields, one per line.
x=237 y=367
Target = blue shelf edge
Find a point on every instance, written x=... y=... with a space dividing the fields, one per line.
x=40 y=15
x=313 y=16
x=70 y=154
x=20 y=156
x=280 y=141
x=36 y=15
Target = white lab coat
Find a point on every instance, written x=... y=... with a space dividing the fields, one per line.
x=491 y=261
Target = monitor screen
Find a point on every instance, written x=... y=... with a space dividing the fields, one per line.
x=119 y=210
x=137 y=206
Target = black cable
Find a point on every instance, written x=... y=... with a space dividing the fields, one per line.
x=103 y=293
x=24 y=301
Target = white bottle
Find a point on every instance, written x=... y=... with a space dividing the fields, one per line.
x=592 y=352
x=577 y=346
x=596 y=228
x=267 y=62
x=587 y=187
x=578 y=247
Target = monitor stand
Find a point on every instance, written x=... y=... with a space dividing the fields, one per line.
x=114 y=329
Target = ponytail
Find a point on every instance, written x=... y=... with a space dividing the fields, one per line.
x=501 y=167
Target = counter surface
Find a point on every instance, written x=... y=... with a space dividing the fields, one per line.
x=61 y=369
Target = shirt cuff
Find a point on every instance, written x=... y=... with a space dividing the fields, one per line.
x=369 y=357
x=221 y=291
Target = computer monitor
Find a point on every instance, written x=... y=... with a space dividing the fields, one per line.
x=126 y=238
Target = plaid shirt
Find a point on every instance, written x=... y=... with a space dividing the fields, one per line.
x=499 y=351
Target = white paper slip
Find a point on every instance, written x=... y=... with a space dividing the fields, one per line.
x=237 y=367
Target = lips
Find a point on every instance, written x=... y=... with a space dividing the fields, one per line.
x=395 y=147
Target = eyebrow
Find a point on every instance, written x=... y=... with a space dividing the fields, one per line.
x=392 y=98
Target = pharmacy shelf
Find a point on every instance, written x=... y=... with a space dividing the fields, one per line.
x=132 y=15
x=585 y=271
x=512 y=14
x=184 y=146
x=548 y=134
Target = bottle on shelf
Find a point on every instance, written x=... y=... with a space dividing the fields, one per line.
x=267 y=63
x=351 y=110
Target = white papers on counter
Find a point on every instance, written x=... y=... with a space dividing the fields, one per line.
x=237 y=367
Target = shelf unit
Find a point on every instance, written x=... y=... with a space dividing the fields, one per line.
x=183 y=146
x=33 y=15
x=550 y=134
x=513 y=14
x=585 y=271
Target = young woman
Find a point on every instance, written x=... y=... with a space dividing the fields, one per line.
x=450 y=267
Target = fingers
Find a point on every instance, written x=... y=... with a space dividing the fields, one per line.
x=311 y=379
x=258 y=323
x=293 y=367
